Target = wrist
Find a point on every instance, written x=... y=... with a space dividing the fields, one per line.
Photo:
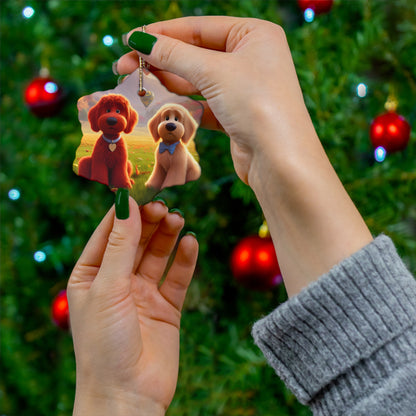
x=284 y=153
x=313 y=222
x=111 y=403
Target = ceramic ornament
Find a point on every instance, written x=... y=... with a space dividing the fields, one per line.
x=138 y=136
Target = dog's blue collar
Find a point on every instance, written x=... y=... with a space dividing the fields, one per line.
x=111 y=141
x=169 y=147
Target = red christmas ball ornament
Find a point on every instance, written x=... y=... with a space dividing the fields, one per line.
x=60 y=310
x=390 y=131
x=254 y=263
x=318 y=6
x=44 y=97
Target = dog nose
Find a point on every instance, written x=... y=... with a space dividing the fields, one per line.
x=170 y=126
x=111 y=121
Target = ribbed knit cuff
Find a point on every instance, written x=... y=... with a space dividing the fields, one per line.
x=344 y=333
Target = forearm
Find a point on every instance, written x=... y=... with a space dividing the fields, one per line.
x=312 y=220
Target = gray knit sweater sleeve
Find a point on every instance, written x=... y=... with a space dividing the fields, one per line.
x=346 y=345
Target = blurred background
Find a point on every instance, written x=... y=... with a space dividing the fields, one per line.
x=352 y=56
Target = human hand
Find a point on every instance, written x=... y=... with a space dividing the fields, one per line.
x=243 y=68
x=125 y=324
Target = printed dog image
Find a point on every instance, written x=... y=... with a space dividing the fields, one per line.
x=108 y=163
x=173 y=127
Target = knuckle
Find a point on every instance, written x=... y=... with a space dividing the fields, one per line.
x=280 y=32
x=167 y=55
x=118 y=241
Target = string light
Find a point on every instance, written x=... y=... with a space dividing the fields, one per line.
x=28 y=12
x=51 y=87
x=39 y=256
x=108 y=40
x=361 y=90
x=14 y=194
x=380 y=154
x=309 y=15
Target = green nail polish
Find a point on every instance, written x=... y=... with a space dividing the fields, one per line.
x=142 y=42
x=177 y=211
x=159 y=199
x=122 y=203
x=191 y=233
x=121 y=79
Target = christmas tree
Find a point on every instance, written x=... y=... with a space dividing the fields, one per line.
x=349 y=60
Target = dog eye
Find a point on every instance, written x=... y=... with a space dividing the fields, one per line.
x=108 y=110
x=167 y=118
x=176 y=119
x=118 y=111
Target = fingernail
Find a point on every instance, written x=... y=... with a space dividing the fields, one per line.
x=176 y=211
x=122 y=203
x=191 y=233
x=114 y=68
x=121 y=79
x=159 y=199
x=142 y=42
x=124 y=39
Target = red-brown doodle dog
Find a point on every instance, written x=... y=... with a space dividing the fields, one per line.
x=108 y=163
x=174 y=126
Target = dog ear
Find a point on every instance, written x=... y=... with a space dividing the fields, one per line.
x=93 y=116
x=153 y=125
x=132 y=119
x=190 y=126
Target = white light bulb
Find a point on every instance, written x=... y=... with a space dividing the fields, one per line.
x=28 y=12
x=361 y=90
x=51 y=87
x=108 y=40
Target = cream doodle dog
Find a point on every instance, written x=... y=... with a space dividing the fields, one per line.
x=173 y=127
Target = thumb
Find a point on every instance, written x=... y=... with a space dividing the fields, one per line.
x=119 y=256
x=173 y=55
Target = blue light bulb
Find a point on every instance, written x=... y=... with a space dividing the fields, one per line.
x=39 y=256
x=309 y=15
x=380 y=154
x=14 y=194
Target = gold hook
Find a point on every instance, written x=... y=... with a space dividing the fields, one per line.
x=142 y=64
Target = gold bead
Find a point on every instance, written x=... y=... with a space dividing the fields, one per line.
x=391 y=103
x=264 y=230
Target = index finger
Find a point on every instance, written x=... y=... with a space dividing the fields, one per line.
x=209 y=32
